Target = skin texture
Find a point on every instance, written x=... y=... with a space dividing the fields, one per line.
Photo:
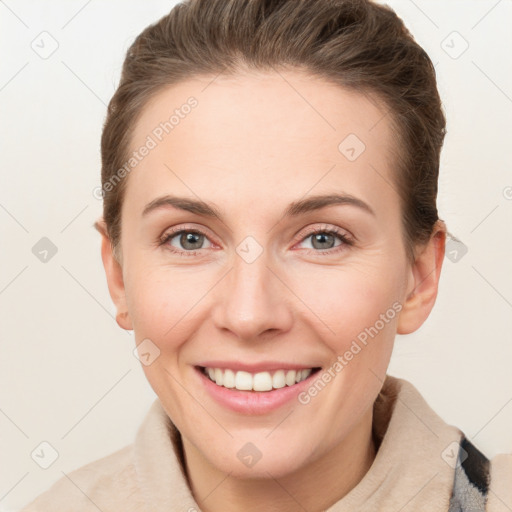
x=254 y=144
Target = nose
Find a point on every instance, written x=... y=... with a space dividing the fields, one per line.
x=253 y=301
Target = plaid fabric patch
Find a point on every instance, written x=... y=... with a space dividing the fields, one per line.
x=471 y=481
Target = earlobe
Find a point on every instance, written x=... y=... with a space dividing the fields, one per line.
x=114 y=275
x=423 y=282
x=123 y=320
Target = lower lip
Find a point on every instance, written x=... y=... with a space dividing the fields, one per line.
x=253 y=402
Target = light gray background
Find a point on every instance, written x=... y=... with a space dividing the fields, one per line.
x=68 y=375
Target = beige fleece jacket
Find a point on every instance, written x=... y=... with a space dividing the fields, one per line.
x=413 y=470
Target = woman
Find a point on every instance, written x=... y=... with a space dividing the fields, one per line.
x=269 y=173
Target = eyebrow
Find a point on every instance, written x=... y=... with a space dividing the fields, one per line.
x=309 y=204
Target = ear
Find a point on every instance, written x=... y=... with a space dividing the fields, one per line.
x=423 y=282
x=114 y=274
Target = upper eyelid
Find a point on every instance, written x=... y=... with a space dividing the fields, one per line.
x=333 y=229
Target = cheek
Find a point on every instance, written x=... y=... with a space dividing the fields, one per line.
x=348 y=304
x=164 y=303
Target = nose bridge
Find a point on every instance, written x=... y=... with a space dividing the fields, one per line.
x=251 y=301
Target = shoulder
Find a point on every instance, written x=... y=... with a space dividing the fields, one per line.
x=481 y=484
x=105 y=484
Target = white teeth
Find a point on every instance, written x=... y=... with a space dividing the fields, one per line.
x=243 y=381
x=278 y=379
x=261 y=381
x=290 y=377
x=229 y=379
x=306 y=373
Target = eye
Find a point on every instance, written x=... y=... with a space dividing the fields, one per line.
x=185 y=241
x=323 y=240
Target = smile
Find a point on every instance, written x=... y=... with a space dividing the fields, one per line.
x=261 y=381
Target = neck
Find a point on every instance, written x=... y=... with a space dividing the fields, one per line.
x=314 y=487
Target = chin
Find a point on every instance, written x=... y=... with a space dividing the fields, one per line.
x=260 y=470
x=248 y=462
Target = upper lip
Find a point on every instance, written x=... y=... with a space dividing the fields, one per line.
x=255 y=367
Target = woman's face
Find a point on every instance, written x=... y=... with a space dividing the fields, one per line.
x=250 y=288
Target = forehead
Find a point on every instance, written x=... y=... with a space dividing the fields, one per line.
x=267 y=103
x=257 y=131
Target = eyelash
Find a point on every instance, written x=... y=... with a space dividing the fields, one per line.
x=310 y=232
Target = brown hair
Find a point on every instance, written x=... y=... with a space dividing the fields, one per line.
x=357 y=44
